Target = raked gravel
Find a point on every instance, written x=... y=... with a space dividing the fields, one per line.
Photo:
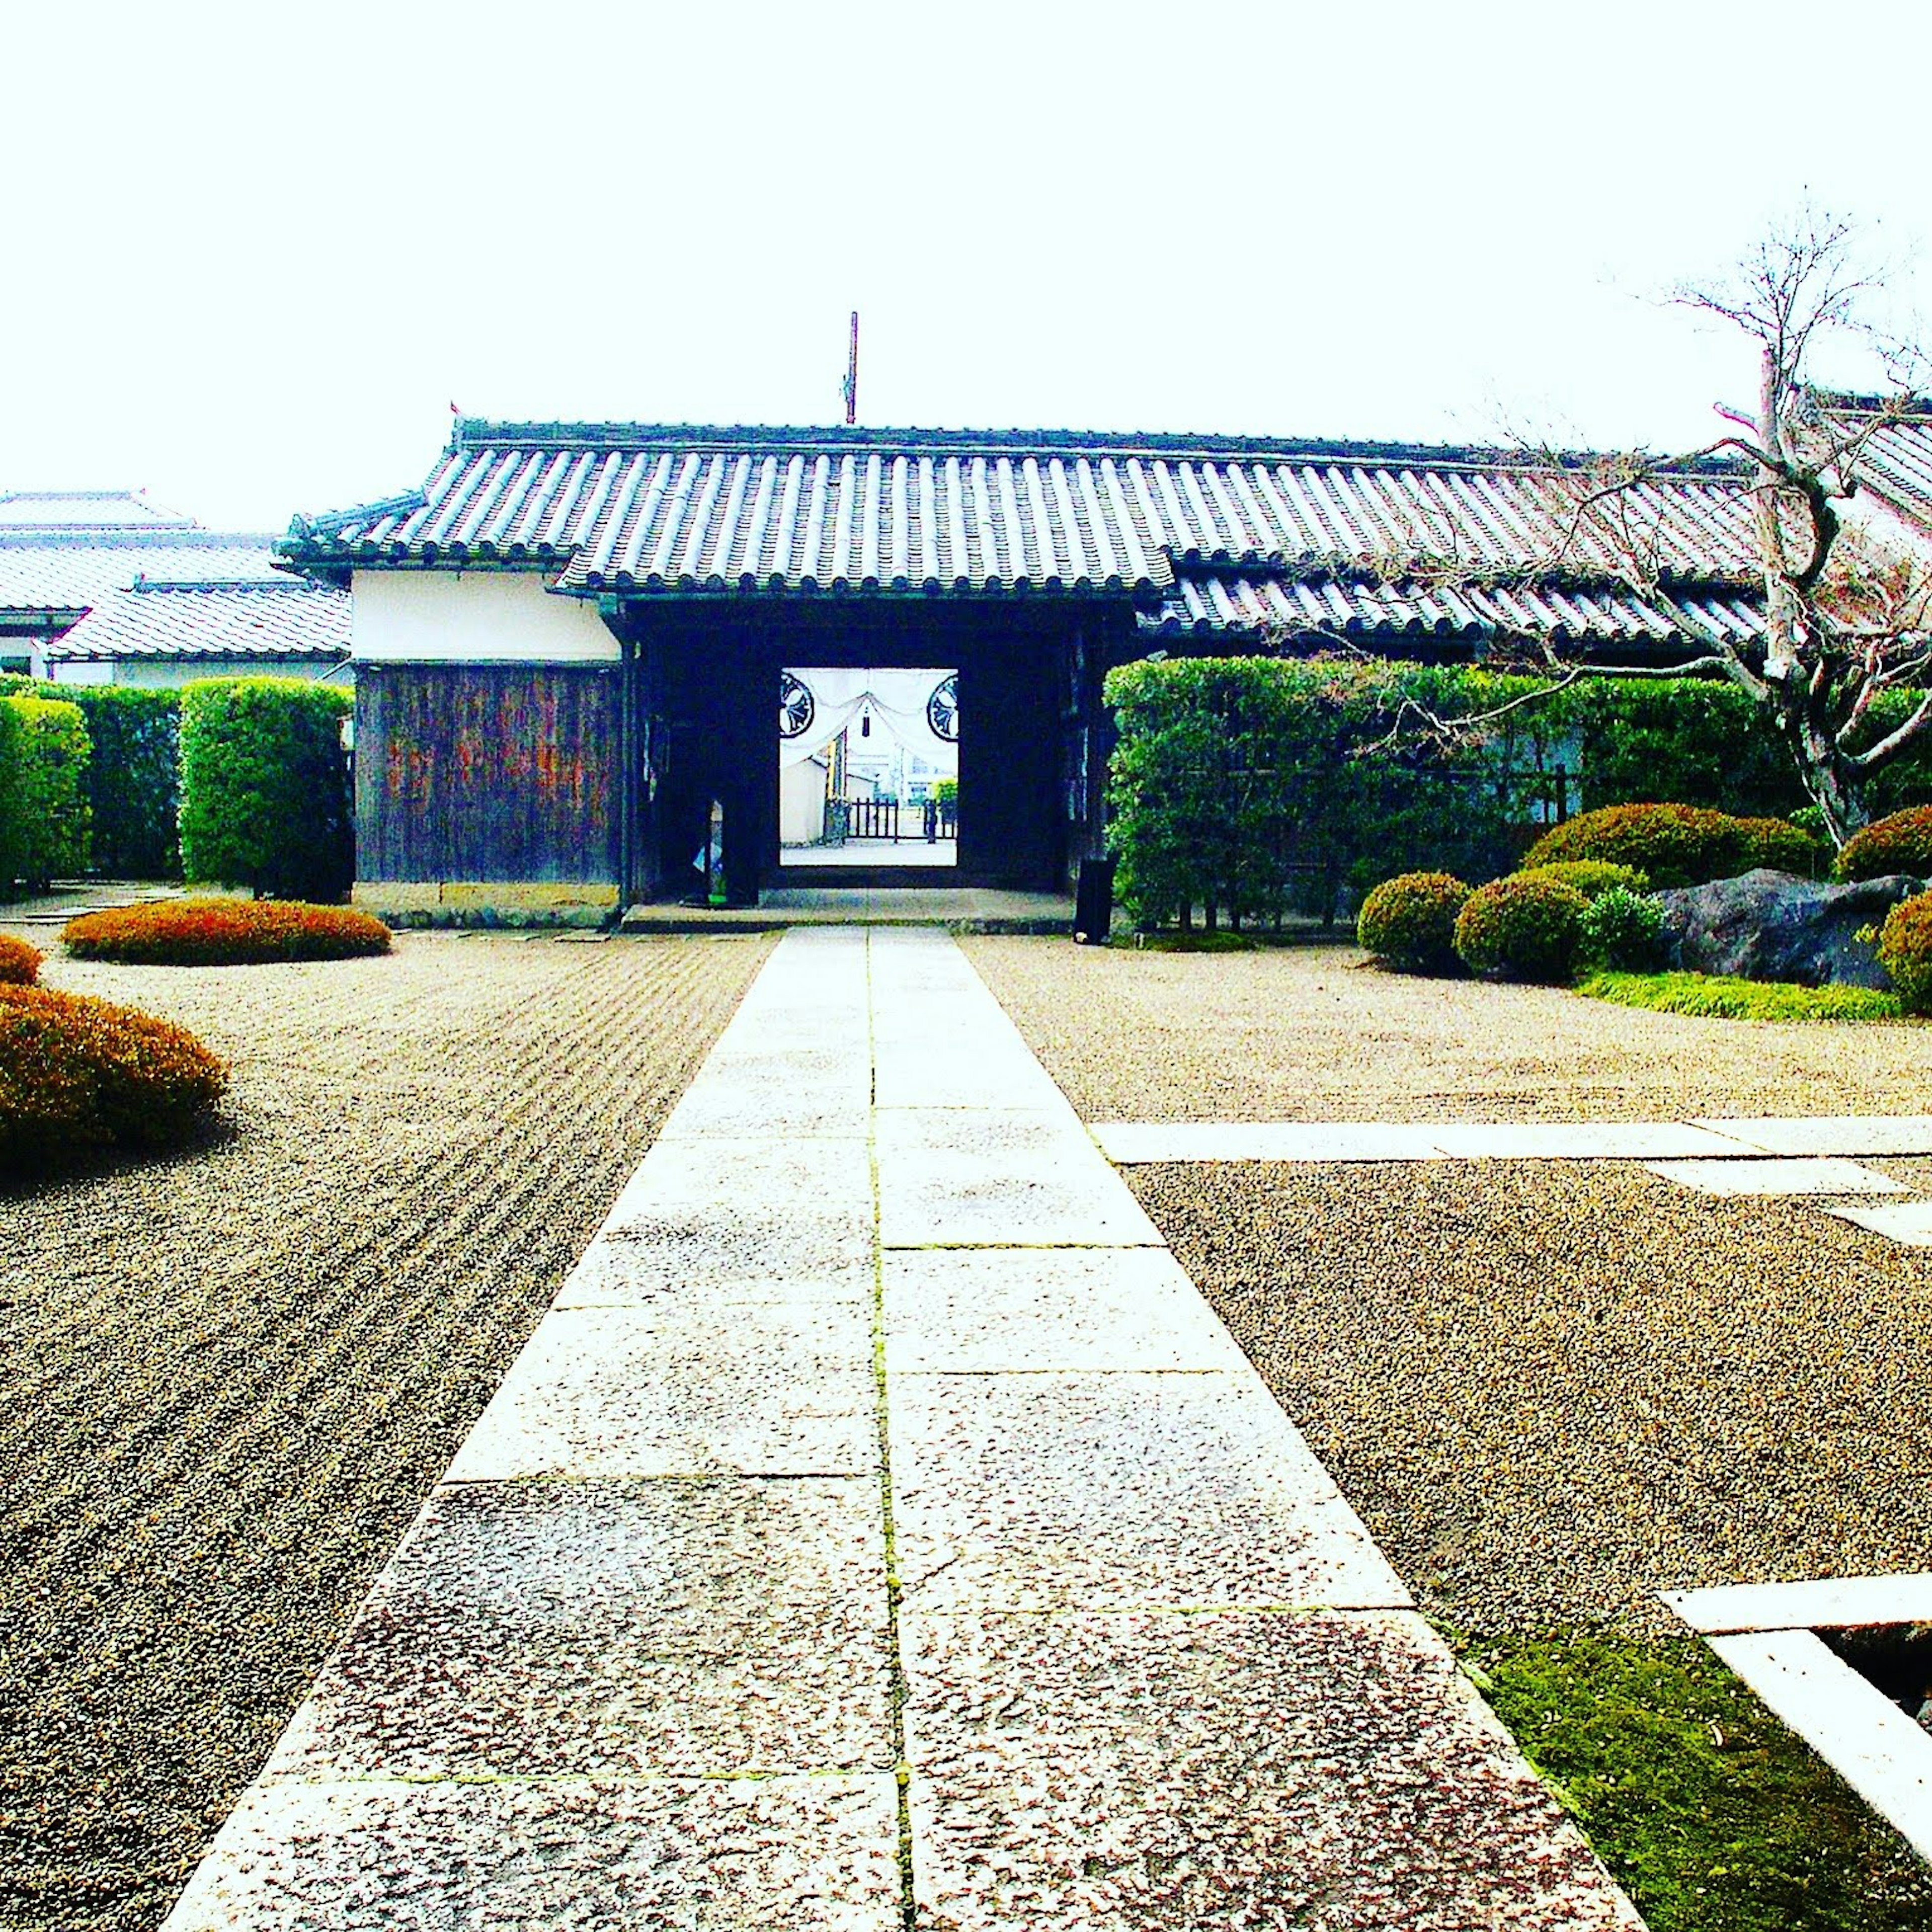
x=228 y=1379
x=1554 y=1388
x=1317 y=1034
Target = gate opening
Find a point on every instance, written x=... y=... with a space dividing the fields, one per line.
x=868 y=767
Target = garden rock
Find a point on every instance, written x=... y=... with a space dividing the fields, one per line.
x=1775 y=926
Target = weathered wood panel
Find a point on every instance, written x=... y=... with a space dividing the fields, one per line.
x=486 y=772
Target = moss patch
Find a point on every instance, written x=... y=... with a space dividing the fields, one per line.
x=1705 y=996
x=1710 y=1813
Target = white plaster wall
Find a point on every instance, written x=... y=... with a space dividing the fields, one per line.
x=471 y=617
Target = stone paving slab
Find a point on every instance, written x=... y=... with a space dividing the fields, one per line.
x=1852 y=1134
x=595 y=1630
x=787 y=1855
x=1824 y=1602
x=782 y=1389
x=1819 y=1176
x=989 y=1312
x=970 y=1198
x=1907 y=1223
x=1117 y=1490
x=1225 y=1771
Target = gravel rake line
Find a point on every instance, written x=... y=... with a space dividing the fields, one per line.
x=248 y=1370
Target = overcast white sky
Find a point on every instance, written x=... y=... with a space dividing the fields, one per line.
x=254 y=253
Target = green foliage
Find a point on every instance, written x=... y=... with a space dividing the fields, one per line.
x=945 y=791
x=19 y=963
x=1593 y=877
x=43 y=810
x=134 y=782
x=77 y=1074
x=1901 y=843
x=1714 y=996
x=1905 y=951
x=1528 y=927
x=1409 y=923
x=1623 y=931
x=1705 y=1808
x=1676 y=844
x=223 y=932
x=264 y=786
x=1253 y=784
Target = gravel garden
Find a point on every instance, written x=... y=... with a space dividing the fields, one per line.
x=232 y=1374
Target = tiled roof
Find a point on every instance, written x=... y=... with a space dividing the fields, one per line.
x=86 y=509
x=1203 y=604
x=286 y=618
x=70 y=571
x=1895 y=462
x=642 y=508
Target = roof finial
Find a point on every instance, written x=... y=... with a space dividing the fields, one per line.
x=850 y=384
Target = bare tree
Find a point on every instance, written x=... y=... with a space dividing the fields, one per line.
x=1844 y=615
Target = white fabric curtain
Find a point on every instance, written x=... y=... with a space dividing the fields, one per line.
x=895 y=699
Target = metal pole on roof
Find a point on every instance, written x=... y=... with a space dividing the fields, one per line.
x=851 y=385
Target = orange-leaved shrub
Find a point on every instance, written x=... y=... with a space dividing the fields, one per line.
x=78 y=1074
x=1525 y=927
x=1902 y=843
x=223 y=932
x=1905 y=951
x=19 y=963
x=1677 y=845
x=1409 y=921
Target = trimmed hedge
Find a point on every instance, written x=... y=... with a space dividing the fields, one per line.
x=265 y=788
x=1624 y=930
x=19 y=963
x=1409 y=923
x=1905 y=951
x=1714 y=997
x=1902 y=843
x=78 y=1074
x=1677 y=845
x=134 y=782
x=1527 y=927
x=1593 y=877
x=223 y=932
x=44 y=754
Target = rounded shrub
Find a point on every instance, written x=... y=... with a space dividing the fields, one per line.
x=1676 y=844
x=1623 y=932
x=223 y=932
x=19 y=963
x=79 y=1074
x=1525 y=927
x=1409 y=923
x=1905 y=951
x=1593 y=877
x=1902 y=843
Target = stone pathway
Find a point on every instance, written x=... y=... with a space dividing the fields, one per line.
x=881 y=1532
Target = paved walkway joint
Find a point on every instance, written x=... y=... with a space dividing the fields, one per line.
x=880 y=1532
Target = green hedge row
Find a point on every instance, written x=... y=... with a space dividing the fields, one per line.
x=1246 y=786
x=43 y=810
x=236 y=781
x=134 y=786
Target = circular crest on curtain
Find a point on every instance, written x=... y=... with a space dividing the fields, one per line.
x=942 y=710
x=797 y=708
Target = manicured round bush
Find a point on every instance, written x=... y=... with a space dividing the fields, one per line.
x=1623 y=931
x=1526 y=927
x=1409 y=923
x=223 y=932
x=77 y=1074
x=1902 y=843
x=19 y=963
x=1593 y=877
x=1676 y=844
x=1905 y=951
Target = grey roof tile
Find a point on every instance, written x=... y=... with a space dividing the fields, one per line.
x=287 y=618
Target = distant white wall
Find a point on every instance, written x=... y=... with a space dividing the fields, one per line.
x=471 y=617
x=168 y=672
